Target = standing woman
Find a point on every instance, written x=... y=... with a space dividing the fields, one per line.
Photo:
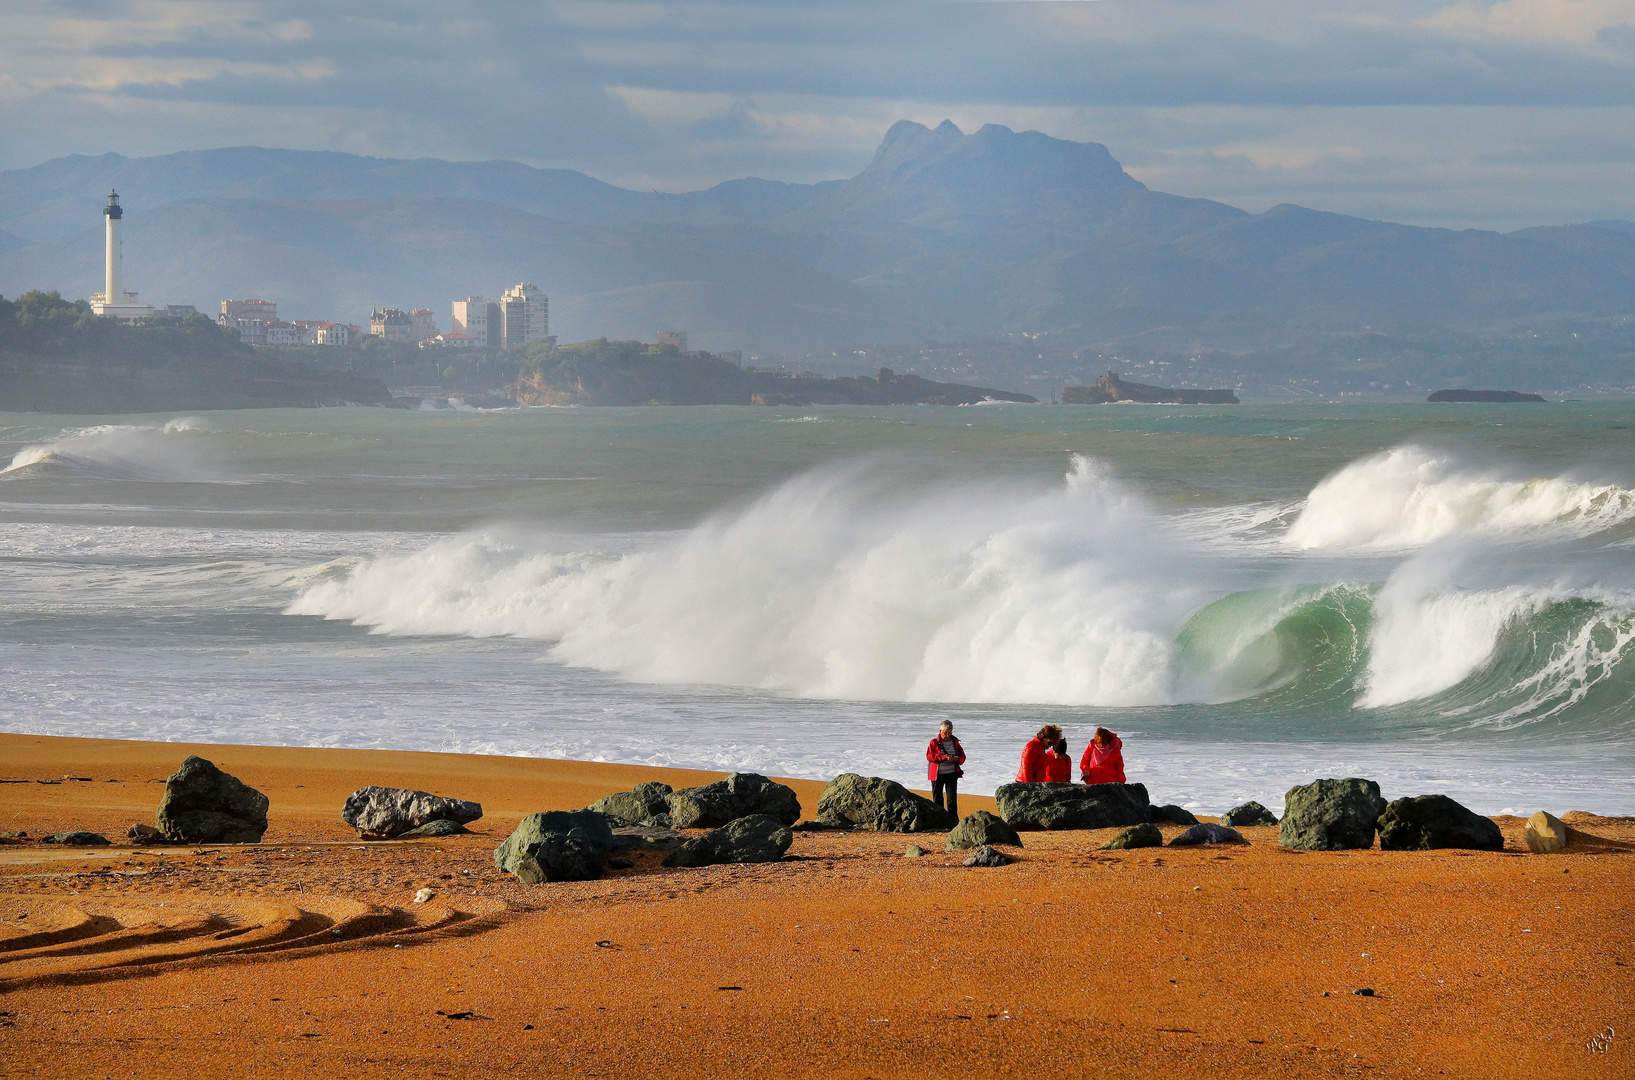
x=1103 y=760
x=946 y=756
x=1059 y=764
x=1033 y=755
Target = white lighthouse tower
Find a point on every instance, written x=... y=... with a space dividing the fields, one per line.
x=113 y=301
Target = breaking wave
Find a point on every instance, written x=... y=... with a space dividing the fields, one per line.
x=1408 y=497
x=119 y=452
x=835 y=586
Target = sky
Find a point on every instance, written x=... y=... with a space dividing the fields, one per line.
x=1495 y=115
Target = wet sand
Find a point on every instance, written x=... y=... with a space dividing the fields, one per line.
x=307 y=956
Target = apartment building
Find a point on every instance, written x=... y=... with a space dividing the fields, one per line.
x=527 y=315
x=265 y=310
x=423 y=324
x=480 y=320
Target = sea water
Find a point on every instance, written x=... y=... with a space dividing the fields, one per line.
x=1439 y=597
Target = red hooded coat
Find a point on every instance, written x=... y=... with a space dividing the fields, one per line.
x=1059 y=769
x=1103 y=764
x=935 y=756
x=1033 y=763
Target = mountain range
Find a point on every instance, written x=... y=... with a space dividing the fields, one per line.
x=945 y=235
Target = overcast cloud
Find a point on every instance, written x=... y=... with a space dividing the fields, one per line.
x=1496 y=114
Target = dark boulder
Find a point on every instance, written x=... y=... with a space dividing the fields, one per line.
x=143 y=833
x=1072 y=806
x=691 y=853
x=1435 y=821
x=76 y=839
x=383 y=813
x=1170 y=815
x=1248 y=815
x=1137 y=836
x=758 y=838
x=739 y=795
x=645 y=805
x=440 y=827
x=1208 y=834
x=203 y=805
x=871 y=802
x=987 y=856
x=570 y=856
x=1331 y=815
x=978 y=829
x=591 y=827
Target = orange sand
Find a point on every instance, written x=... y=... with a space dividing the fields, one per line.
x=850 y=962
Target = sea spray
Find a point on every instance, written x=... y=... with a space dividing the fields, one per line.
x=1408 y=497
x=831 y=586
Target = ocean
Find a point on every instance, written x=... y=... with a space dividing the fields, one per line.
x=1438 y=597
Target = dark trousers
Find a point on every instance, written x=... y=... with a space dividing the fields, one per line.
x=949 y=784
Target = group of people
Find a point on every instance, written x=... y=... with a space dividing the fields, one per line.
x=1044 y=760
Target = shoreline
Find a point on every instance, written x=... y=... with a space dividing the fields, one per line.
x=846 y=961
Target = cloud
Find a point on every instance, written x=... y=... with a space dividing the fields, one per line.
x=682 y=94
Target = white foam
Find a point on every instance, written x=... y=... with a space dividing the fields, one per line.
x=1408 y=497
x=829 y=587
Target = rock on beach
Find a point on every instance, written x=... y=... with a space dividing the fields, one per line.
x=384 y=813
x=871 y=802
x=1248 y=815
x=987 y=856
x=711 y=806
x=538 y=849
x=643 y=806
x=1206 y=833
x=1424 y=822
x=1331 y=815
x=203 y=805
x=978 y=829
x=1545 y=833
x=1136 y=836
x=1072 y=806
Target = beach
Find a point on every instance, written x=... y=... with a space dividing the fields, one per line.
x=308 y=955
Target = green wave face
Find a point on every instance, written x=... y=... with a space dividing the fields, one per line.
x=1297 y=646
x=1301 y=655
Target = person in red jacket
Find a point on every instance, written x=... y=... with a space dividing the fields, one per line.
x=946 y=756
x=1033 y=755
x=1059 y=764
x=1103 y=760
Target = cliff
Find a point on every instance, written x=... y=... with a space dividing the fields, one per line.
x=626 y=373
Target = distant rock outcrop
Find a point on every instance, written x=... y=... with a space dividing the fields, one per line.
x=871 y=802
x=1331 y=815
x=1483 y=395
x=1072 y=806
x=1110 y=388
x=1424 y=822
x=203 y=805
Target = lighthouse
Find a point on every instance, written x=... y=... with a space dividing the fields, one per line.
x=113 y=301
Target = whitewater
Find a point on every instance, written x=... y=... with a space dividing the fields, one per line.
x=1438 y=597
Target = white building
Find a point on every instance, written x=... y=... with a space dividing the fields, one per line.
x=451 y=341
x=334 y=333
x=527 y=314
x=678 y=338
x=479 y=320
x=113 y=301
